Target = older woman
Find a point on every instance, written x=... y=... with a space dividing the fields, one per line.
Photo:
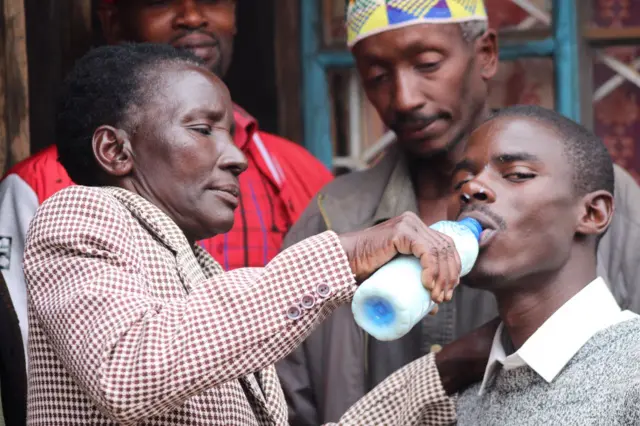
x=131 y=321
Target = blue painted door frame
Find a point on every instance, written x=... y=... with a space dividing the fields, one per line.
x=562 y=46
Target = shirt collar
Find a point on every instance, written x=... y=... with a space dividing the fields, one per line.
x=398 y=196
x=561 y=336
x=246 y=126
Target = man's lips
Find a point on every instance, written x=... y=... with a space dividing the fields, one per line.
x=195 y=40
x=202 y=46
x=418 y=129
x=489 y=227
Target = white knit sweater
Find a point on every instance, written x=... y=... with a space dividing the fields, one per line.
x=599 y=386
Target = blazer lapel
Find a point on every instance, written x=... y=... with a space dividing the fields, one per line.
x=194 y=265
x=274 y=397
x=166 y=230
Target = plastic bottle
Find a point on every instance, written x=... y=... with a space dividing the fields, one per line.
x=393 y=299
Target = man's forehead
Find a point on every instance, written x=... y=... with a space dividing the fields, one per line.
x=415 y=37
x=522 y=135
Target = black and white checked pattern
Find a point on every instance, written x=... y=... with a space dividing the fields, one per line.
x=129 y=326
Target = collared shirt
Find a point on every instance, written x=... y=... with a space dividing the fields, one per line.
x=560 y=337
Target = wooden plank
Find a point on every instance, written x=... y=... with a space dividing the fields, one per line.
x=288 y=71
x=14 y=92
x=612 y=36
x=585 y=58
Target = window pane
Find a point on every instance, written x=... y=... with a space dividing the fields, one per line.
x=615 y=13
x=355 y=125
x=616 y=109
x=506 y=15
x=333 y=23
x=525 y=81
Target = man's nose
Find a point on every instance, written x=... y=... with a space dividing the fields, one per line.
x=407 y=97
x=190 y=16
x=475 y=191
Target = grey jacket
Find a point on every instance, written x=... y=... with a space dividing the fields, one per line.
x=339 y=363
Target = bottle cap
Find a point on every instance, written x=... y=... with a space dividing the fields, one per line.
x=473 y=225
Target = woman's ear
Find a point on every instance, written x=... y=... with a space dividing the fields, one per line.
x=112 y=150
x=596 y=213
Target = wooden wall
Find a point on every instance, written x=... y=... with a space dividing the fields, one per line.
x=59 y=32
x=288 y=71
x=14 y=91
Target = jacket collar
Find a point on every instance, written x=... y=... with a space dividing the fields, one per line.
x=398 y=196
x=246 y=127
x=190 y=269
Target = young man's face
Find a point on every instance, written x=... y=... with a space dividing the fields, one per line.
x=427 y=82
x=205 y=27
x=517 y=180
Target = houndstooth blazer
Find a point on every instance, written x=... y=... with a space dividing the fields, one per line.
x=131 y=325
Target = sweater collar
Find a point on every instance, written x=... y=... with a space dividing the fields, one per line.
x=559 y=338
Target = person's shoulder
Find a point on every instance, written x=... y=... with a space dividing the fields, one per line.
x=42 y=172
x=627 y=194
x=619 y=344
x=41 y=163
x=81 y=201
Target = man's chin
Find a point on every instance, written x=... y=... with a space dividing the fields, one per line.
x=424 y=148
x=482 y=279
x=431 y=147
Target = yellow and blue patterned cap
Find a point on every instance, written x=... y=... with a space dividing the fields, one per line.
x=368 y=17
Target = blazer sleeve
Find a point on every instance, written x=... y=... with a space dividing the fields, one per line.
x=293 y=371
x=412 y=395
x=138 y=355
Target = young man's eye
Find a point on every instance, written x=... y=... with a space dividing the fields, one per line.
x=519 y=176
x=458 y=186
x=428 y=66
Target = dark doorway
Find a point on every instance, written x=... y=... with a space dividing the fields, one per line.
x=59 y=31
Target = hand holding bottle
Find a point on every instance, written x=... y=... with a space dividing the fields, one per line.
x=370 y=249
x=393 y=300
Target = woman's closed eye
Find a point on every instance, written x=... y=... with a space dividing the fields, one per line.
x=203 y=130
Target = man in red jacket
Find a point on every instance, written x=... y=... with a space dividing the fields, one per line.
x=280 y=180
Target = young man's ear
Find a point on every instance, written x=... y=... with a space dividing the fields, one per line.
x=112 y=150
x=487 y=54
x=596 y=213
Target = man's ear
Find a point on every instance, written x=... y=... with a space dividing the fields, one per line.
x=487 y=54
x=112 y=150
x=109 y=17
x=596 y=213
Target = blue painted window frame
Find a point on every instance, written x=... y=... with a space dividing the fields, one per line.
x=562 y=46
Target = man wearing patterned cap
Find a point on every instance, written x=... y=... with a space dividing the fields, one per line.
x=425 y=66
